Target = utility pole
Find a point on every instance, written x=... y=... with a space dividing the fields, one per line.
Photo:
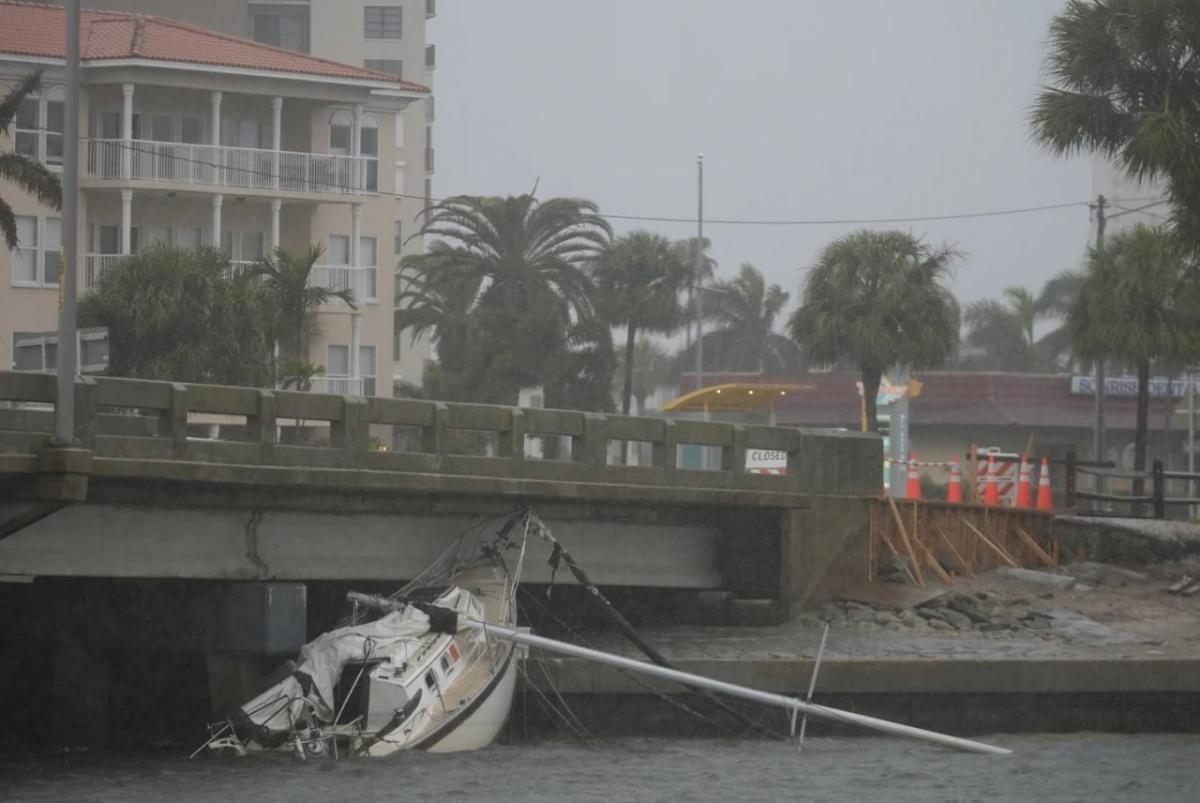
x=64 y=400
x=697 y=276
x=1098 y=431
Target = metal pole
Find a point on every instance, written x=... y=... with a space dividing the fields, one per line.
x=1191 y=439
x=721 y=687
x=1098 y=448
x=64 y=403
x=698 y=277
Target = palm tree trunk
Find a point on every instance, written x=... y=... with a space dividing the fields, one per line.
x=870 y=381
x=627 y=395
x=1142 y=427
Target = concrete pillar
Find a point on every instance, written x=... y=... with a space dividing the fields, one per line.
x=276 y=137
x=214 y=132
x=126 y=221
x=355 y=235
x=356 y=324
x=360 y=173
x=276 y=206
x=215 y=240
x=127 y=130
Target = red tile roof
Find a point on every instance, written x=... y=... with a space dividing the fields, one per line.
x=951 y=399
x=33 y=29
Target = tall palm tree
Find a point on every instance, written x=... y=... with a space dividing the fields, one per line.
x=286 y=276
x=745 y=308
x=1125 y=82
x=878 y=298
x=1054 y=301
x=653 y=366
x=1003 y=332
x=29 y=175
x=1140 y=301
x=693 y=252
x=439 y=303
x=638 y=280
x=523 y=250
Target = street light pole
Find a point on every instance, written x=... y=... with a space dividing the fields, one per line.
x=698 y=276
x=64 y=403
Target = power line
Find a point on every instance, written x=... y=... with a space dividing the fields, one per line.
x=317 y=185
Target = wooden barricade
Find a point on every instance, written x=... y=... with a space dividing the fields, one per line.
x=942 y=541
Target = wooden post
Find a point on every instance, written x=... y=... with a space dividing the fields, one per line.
x=871 y=542
x=1160 y=502
x=912 y=555
x=966 y=567
x=1034 y=547
x=972 y=495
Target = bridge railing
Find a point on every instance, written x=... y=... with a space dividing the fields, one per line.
x=140 y=420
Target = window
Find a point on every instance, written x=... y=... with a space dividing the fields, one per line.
x=51 y=253
x=367 y=252
x=36 y=257
x=158 y=234
x=162 y=128
x=383 y=22
x=252 y=243
x=109 y=239
x=341 y=129
x=339 y=249
x=337 y=360
x=24 y=266
x=399 y=132
x=191 y=130
x=366 y=369
x=38 y=130
x=289 y=30
x=242 y=133
x=430 y=56
x=397 y=237
x=368 y=145
x=189 y=238
x=429 y=112
x=393 y=67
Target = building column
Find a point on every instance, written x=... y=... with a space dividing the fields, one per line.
x=214 y=126
x=360 y=173
x=126 y=221
x=356 y=324
x=215 y=239
x=127 y=131
x=276 y=137
x=355 y=235
x=276 y=206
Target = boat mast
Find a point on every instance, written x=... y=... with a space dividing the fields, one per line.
x=767 y=698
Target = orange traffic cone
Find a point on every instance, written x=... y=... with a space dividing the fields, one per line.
x=1045 y=497
x=913 y=491
x=1024 y=487
x=991 y=494
x=955 y=493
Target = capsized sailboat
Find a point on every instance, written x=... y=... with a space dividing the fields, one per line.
x=404 y=672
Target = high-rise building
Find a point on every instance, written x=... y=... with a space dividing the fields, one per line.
x=395 y=140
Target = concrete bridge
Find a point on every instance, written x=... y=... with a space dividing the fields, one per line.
x=377 y=487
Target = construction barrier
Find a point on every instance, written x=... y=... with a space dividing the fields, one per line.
x=1001 y=479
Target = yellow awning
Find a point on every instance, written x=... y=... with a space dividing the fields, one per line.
x=737 y=397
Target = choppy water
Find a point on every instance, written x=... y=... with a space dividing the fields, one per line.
x=1081 y=767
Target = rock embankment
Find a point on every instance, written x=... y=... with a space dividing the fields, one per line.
x=1138 y=542
x=980 y=611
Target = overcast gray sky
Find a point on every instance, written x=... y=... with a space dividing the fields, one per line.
x=802 y=109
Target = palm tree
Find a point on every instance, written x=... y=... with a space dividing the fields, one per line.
x=1140 y=301
x=693 y=252
x=28 y=175
x=745 y=308
x=1054 y=301
x=638 y=279
x=1003 y=332
x=176 y=315
x=439 y=303
x=653 y=367
x=286 y=276
x=520 y=248
x=878 y=298
x=1126 y=83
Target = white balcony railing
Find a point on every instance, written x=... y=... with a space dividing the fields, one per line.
x=338 y=385
x=94 y=266
x=361 y=281
x=219 y=166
